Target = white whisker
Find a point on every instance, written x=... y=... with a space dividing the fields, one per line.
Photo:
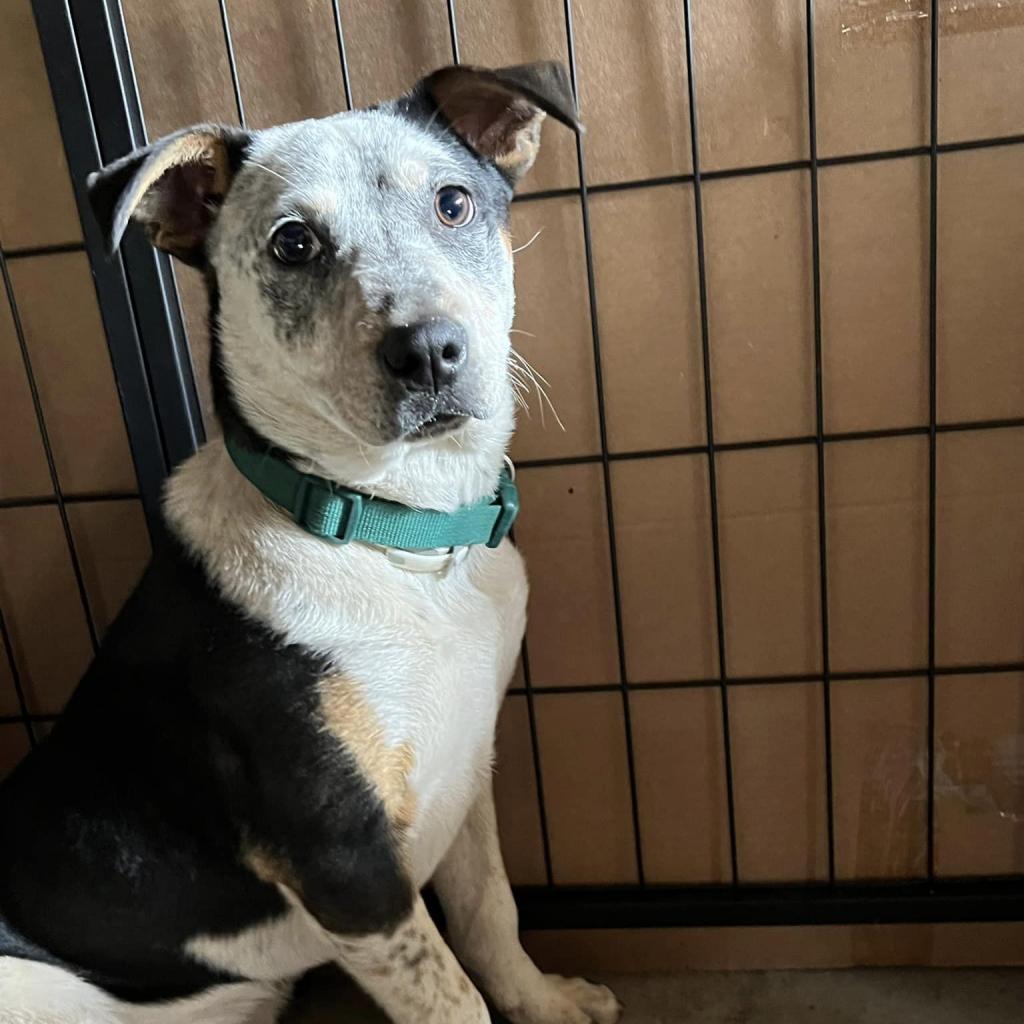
x=527 y=245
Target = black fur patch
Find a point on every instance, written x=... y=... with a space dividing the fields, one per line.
x=194 y=734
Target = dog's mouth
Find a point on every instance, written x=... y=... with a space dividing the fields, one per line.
x=441 y=423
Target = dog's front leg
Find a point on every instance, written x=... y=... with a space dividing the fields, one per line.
x=484 y=929
x=412 y=974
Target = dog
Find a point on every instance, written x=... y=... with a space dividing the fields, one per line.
x=288 y=731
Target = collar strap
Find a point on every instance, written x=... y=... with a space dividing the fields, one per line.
x=340 y=514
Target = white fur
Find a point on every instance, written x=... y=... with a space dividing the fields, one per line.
x=36 y=993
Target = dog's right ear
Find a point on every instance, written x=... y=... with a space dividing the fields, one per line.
x=173 y=187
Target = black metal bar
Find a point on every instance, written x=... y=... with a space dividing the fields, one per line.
x=43 y=250
x=453 y=31
x=709 y=426
x=154 y=425
x=51 y=463
x=995 y=899
x=776 y=442
x=855 y=676
x=339 y=33
x=725 y=173
x=23 y=718
x=229 y=47
x=819 y=419
x=110 y=77
x=69 y=499
x=538 y=772
x=588 y=250
x=933 y=285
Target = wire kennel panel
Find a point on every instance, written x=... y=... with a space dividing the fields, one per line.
x=775 y=551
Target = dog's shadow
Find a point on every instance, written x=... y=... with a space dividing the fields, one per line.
x=327 y=996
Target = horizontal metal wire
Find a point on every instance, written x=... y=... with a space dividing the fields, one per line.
x=774 y=442
x=754 y=170
x=69 y=499
x=43 y=250
x=851 y=676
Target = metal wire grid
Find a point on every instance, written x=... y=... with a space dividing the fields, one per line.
x=723 y=682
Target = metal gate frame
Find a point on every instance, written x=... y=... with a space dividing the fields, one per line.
x=88 y=62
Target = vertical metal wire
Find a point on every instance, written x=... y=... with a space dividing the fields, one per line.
x=588 y=249
x=19 y=691
x=453 y=29
x=709 y=426
x=538 y=772
x=339 y=33
x=51 y=463
x=819 y=404
x=933 y=288
x=230 y=48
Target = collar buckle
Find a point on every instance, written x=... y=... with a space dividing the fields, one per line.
x=507 y=499
x=327 y=513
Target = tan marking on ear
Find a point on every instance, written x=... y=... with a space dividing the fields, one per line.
x=271 y=867
x=520 y=158
x=349 y=716
x=196 y=148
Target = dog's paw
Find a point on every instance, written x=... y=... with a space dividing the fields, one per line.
x=559 y=1000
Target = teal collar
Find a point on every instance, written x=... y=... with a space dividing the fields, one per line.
x=340 y=514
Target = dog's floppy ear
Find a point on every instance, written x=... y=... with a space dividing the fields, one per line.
x=498 y=113
x=172 y=187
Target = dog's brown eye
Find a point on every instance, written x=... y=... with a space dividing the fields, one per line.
x=454 y=206
x=293 y=242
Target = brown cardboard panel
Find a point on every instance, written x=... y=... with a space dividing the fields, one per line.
x=181 y=63
x=287 y=58
x=751 y=75
x=880 y=778
x=778 y=764
x=515 y=794
x=494 y=35
x=770 y=574
x=41 y=606
x=67 y=346
x=37 y=206
x=872 y=84
x=979 y=765
x=646 y=280
x=13 y=747
x=680 y=780
x=759 y=303
x=113 y=548
x=990 y=38
x=874 y=291
x=586 y=787
x=195 y=312
x=663 y=533
x=649 y=950
x=563 y=533
x=392 y=43
x=632 y=84
x=23 y=469
x=877 y=530
x=552 y=330
x=980 y=301
x=980 y=547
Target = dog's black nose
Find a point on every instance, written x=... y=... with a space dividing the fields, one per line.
x=426 y=356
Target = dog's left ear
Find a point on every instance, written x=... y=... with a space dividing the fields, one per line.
x=498 y=113
x=173 y=187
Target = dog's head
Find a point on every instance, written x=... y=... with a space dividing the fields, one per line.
x=360 y=272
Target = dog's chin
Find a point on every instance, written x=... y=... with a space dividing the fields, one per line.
x=437 y=426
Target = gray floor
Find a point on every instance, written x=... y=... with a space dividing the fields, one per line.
x=891 y=996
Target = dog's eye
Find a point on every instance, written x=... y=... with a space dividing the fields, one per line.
x=454 y=206
x=293 y=242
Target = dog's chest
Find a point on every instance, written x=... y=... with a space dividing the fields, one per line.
x=420 y=665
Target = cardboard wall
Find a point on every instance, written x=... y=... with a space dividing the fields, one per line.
x=618 y=514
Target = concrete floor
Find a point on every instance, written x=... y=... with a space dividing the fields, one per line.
x=893 y=996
